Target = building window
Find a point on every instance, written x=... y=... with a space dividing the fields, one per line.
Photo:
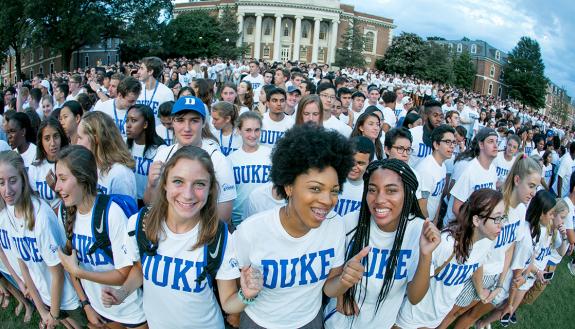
x=41 y=69
x=474 y=49
x=369 y=37
x=497 y=55
x=459 y=47
x=249 y=51
x=250 y=28
x=268 y=28
x=287 y=27
x=322 y=31
x=51 y=68
x=305 y=26
x=490 y=89
x=108 y=59
x=87 y=61
x=492 y=71
x=500 y=92
x=266 y=51
x=321 y=55
x=41 y=55
x=303 y=53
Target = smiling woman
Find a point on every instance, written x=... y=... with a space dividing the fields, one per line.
x=309 y=166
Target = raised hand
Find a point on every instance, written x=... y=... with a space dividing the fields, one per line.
x=429 y=239
x=353 y=269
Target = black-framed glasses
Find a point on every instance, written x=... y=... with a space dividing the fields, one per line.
x=498 y=220
x=449 y=142
x=402 y=150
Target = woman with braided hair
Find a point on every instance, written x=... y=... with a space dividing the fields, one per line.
x=464 y=245
x=391 y=223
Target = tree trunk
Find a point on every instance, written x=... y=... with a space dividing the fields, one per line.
x=19 y=75
x=65 y=59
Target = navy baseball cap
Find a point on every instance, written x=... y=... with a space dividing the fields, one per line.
x=190 y=103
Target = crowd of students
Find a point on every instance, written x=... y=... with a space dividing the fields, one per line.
x=204 y=194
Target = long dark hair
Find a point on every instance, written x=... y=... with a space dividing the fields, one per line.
x=542 y=203
x=360 y=238
x=55 y=124
x=356 y=132
x=480 y=203
x=152 y=138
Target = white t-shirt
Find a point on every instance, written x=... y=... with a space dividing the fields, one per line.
x=166 y=134
x=250 y=171
x=9 y=247
x=547 y=173
x=142 y=168
x=529 y=147
x=29 y=156
x=445 y=286
x=389 y=117
x=119 y=180
x=350 y=198
x=257 y=84
x=272 y=131
x=568 y=223
x=39 y=250
x=230 y=143
x=3 y=145
x=222 y=167
x=431 y=183
x=130 y=311
x=334 y=124
x=502 y=166
x=155 y=97
x=261 y=199
x=474 y=177
x=510 y=233
x=37 y=176
x=172 y=297
x=292 y=294
x=381 y=244
x=565 y=170
x=118 y=115
x=420 y=149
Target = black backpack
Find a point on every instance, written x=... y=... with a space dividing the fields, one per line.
x=215 y=252
x=100 y=219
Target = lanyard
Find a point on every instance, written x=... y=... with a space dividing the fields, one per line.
x=118 y=122
x=168 y=135
x=153 y=94
x=229 y=143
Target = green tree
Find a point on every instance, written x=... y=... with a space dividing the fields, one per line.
x=13 y=31
x=352 y=44
x=463 y=71
x=193 y=35
x=434 y=38
x=406 y=55
x=525 y=75
x=438 y=65
x=228 y=26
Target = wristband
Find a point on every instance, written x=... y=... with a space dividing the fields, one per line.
x=83 y=303
x=246 y=301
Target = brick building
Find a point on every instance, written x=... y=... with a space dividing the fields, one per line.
x=298 y=30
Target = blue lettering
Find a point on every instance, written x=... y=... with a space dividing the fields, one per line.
x=306 y=269
x=270 y=137
x=251 y=174
x=423 y=150
x=507 y=235
x=345 y=206
x=484 y=185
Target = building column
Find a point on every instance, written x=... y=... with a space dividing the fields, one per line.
x=297 y=38
x=277 y=37
x=333 y=41
x=315 y=42
x=258 y=32
x=240 y=29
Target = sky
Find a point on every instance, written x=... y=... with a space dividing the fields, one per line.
x=501 y=23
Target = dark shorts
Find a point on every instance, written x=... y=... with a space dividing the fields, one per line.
x=77 y=315
x=127 y=325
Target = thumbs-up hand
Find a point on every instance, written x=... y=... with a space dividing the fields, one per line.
x=353 y=269
x=429 y=239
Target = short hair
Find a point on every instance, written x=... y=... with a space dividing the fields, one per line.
x=306 y=147
x=64 y=88
x=117 y=76
x=462 y=131
x=389 y=97
x=310 y=86
x=410 y=119
x=429 y=105
x=438 y=133
x=76 y=78
x=155 y=64
x=449 y=114
x=36 y=95
x=344 y=91
x=340 y=80
x=285 y=72
x=129 y=85
x=362 y=144
x=393 y=134
x=275 y=91
x=165 y=109
x=357 y=94
x=324 y=86
x=24 y=122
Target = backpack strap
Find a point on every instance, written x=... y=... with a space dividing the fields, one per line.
x=145 y=246
x=214 y=253
x=439 y=269
x=100 y=226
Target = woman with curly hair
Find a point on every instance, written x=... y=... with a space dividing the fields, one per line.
x=309 y=166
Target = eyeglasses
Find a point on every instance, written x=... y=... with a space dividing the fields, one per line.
x=449 y=142
x=401 y=149
x=497 y=220
x=327 y=96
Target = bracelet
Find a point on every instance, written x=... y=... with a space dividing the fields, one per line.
x=83 y=303
x=246 y=301
x=499 y=286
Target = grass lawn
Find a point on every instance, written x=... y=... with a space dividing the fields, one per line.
x=553 y=310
